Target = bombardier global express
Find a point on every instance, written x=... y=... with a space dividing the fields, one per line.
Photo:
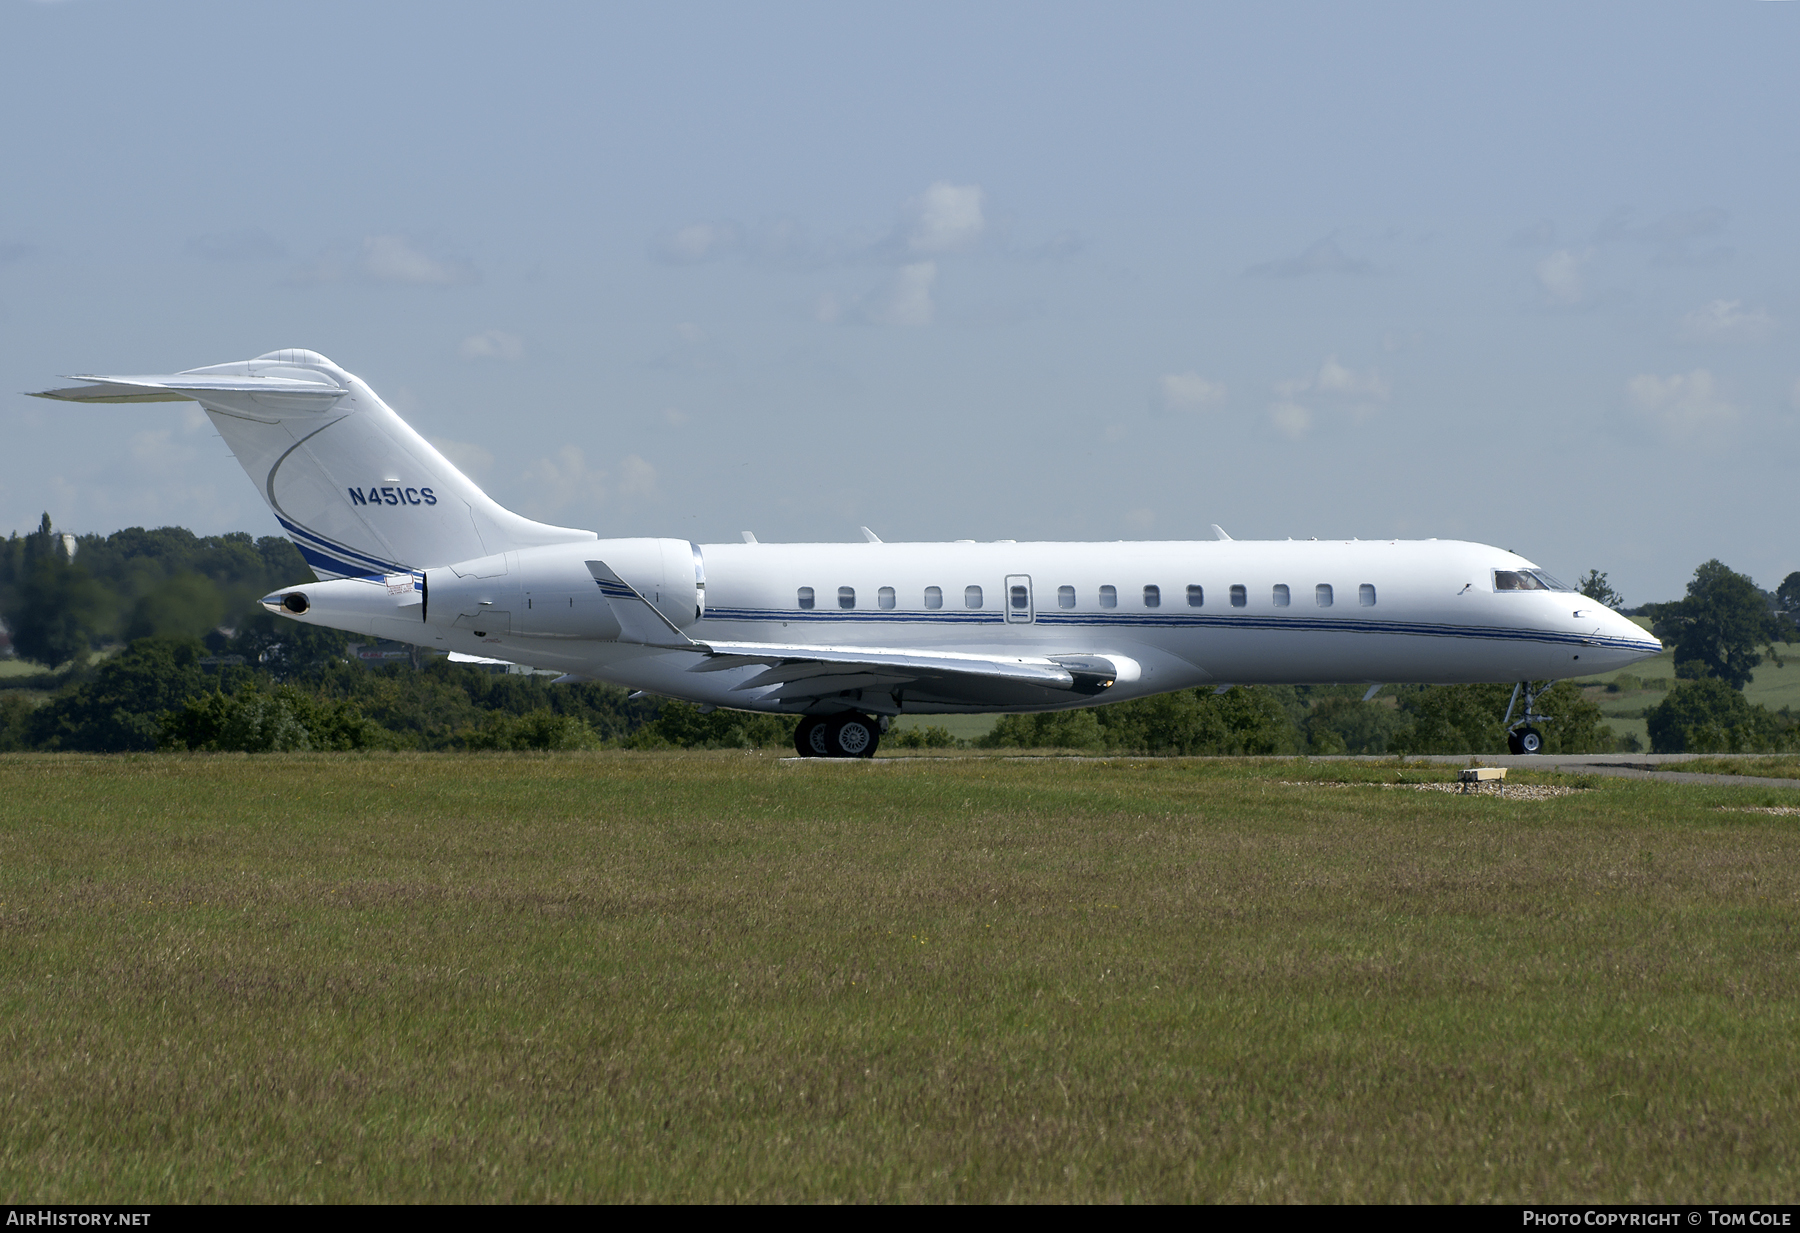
x=849 y=636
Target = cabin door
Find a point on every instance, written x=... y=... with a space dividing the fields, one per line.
x=1018 y=599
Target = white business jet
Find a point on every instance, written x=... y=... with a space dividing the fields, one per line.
x=850 y=635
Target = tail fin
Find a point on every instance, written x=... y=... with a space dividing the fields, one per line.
x=356 y=489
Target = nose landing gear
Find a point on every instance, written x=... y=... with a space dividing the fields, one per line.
x=1523 y=737
x=845 y=735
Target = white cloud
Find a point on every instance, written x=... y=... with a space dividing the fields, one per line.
x=1560 y=276
x=1727 y=320
x=637 y=478
x=1336 y=380
x=566 y=480
x=1540 y=234
x=1189 y=391
x=945 y=218
x=1683 y=405
x=906 y=301
x=1341 y=387
x=698 y=242
x=250 y=244
x=1291 y=420
x=385 y=259
x=1323 y=257
x=491 y=345
x=473 y=461
x=394 y=259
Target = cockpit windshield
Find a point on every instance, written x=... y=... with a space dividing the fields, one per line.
x=1526 y=580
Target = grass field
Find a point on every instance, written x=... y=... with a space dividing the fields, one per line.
x=723 y=976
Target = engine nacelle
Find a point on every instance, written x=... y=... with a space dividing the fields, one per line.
x=550 y=593
x=545 y=592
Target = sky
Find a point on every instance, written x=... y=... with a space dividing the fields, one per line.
x=1524 y=274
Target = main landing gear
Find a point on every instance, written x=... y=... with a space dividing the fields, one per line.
x=1523 y=737
x=845 y=735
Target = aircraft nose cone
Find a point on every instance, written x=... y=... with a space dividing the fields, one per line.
x=1628 y=634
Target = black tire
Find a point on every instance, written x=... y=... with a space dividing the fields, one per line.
x=1531 y=741
x=1512 y=743
x=809 y=738
x=852 y=736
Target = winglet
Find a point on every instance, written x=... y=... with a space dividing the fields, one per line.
x=1219 y=532
x=639 y=620
x=871 y=536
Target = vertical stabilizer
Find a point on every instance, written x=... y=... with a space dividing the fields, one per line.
x=356 y=489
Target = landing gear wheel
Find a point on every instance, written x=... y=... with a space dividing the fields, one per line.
x=1525 y=741
x=809 y=738
x=851 y=736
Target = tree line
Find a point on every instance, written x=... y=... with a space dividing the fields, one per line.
x=1720 y=631
x=197 y=665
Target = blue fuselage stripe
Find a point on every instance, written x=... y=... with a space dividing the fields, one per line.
x=1131 y=620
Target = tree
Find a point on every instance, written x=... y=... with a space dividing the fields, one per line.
x=1717 y=629
x=1708 y=716
x=254 y=721
x=1787 y=605
x=1454 y=719
x=1596 y=588
x=53 y=607
x=121 y=707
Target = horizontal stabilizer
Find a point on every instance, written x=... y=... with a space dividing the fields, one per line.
x=181 y=387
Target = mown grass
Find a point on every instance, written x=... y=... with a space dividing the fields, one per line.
x=1774 y=766
x=721 y=976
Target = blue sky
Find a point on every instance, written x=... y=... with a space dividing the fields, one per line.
x=1524 y=274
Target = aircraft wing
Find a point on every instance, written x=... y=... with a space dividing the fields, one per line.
x=797 y=672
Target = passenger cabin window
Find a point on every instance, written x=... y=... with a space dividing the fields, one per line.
x=1239 y=596
x=885 y=597
x=1365 y=594
x=1322 y=594
x=934 y=597
x=1017 y=597
x=971 y=597
x=1065 y=597
x=1109 y=597
x=1152 y=597
x=806 y=597
x=1196 y=595
x=846 y=597
x=1280 y=595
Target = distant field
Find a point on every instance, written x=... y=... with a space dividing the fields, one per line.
x=1771 y=686
x=722 y=976
x=963 y=727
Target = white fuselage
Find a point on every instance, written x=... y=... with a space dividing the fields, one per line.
x=1172 y=615
x=410 y=548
